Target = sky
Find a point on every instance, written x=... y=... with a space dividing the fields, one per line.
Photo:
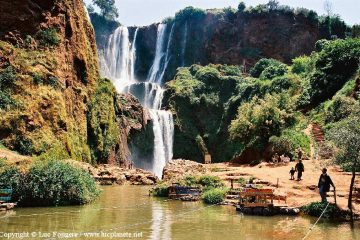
x=145 y=12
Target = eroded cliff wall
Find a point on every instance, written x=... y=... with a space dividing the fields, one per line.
x=49 y=79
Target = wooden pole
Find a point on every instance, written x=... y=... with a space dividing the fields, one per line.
x=277 y=184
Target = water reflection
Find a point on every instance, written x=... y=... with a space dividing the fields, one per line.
x=130 y=209
x=161 y=224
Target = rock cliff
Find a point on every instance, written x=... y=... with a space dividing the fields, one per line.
x=222 y=38
x=49 y=80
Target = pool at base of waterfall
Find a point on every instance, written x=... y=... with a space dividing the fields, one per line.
x=123 y=211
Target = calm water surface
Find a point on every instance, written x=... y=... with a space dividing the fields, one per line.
x=126 y=210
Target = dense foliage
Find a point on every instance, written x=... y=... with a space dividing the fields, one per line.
x=102 y=121
x=346 y=135
x=268 y=69
x=107 y=8
x=214 y=195
x=51 y=183
x=334 y=63
x=260 y=119
x=7 y=82
x=161 y=190
x=316 y=208
x=48 y=37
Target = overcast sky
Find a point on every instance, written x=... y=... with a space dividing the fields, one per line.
x=145 y=12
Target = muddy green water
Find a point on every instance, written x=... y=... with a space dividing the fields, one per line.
x=125 y=210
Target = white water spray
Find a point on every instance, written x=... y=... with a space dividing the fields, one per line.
x=118 y=64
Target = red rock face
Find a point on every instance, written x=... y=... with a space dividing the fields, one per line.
x=243 y=39
x=72 y=62
x=23 y=17
x=279 y=36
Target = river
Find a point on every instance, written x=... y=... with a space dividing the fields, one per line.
x=124 y=210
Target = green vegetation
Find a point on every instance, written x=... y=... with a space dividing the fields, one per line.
x=335 y=63
x=268 y=69
x=239 y=116
x=260 y=119
x=107 y=8
x=51 y=183
x=161 y=190
x=214 y=195
x=189 y=13
x=7 y=83
x=102 y=121
x=209 y=182
x=48 y=37
x=346 y=135
x=316 y=208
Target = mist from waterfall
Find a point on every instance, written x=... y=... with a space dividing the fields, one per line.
x=117 y=62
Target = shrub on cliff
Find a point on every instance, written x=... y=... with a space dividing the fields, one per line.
x=214 y=195
x=189 y=13
x=51 y=183
x=48 y=37
x=241 y=7
x=7 y=82
x=103 y=128
x=268 y=68
x=302 y=65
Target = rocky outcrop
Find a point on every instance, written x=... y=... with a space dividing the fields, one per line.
x=107 y=174
x=178 y=169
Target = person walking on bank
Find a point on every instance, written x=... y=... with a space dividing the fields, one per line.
x=324 y=185
x=299 y=167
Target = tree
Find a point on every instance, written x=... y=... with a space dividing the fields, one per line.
x=346 y=135
x=107 y=8
x=273 y=4
x=260 y=119
x=90 y=9
x=241 y=7
x=355 y=31
x=328 y=7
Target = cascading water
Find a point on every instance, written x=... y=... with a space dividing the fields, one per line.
x=183 y=45
x=118 y=63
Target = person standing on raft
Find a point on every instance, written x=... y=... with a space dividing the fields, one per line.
x=299 y=167
x=324 y=185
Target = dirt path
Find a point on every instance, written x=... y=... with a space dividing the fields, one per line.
x=298 y=192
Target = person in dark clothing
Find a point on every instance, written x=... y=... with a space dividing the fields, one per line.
x=299 y=167
x=292 y=172
x=324 y=185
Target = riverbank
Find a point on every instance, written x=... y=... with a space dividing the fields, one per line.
x=104 y=174
x=129 y=209
x=299 y=193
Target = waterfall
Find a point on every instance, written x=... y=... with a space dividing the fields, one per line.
x=118 y=63
x=162 y=54
x=183 y=45
x=133 y=56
